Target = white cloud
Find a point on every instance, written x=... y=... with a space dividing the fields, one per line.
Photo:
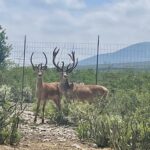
x=120 y=21
x=50 y=2
x=78 y=4
x=2 y=5
x=71 y=4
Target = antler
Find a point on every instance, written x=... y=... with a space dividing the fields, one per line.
x=45 y=59
x=72 y=66
x=31 y=61
x=44 y=67
x=55 y=52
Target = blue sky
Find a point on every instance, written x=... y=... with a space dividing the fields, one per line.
x=116 y=21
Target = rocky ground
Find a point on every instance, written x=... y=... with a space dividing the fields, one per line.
x=48 y=137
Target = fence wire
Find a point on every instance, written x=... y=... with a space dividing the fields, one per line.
x=110 y=55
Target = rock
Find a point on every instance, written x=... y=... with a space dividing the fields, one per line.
x=46 y=140
x=94 y=145
x=42 y=129
x=76 y=146
x=61 y=139
x=26 y=145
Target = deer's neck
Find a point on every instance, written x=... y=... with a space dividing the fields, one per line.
x=39 y=87
x=39 y=83
x=64 y=85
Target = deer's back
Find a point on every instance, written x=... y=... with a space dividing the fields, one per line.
x=88 y=91
x=97 y=89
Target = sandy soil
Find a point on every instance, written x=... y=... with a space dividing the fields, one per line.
x=48 y=137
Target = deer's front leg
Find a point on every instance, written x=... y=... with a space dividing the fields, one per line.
x=37 y=110
x=58 y=103
x=43 y=110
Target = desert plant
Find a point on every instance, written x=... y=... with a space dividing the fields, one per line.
x=18 y=94
x=4 y=47
x=5 y=92
x=9 y=120
x=123 y=123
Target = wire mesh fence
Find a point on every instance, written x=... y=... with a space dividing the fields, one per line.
x=110 y=55
x=82 y=50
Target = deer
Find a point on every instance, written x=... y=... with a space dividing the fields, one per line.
x=44 y=90
x=64 y=84
x=75 y=91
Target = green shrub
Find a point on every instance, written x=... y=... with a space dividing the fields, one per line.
x=123 y=123
x=9 y=120
x=17 y=94
x=91 y=123
x=4 y=134
x=9 y=126
x=83 y=129
x=5 y=92
x=14 y=134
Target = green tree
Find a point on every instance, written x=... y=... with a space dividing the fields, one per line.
x=5 y=48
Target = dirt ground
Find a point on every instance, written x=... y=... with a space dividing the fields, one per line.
x=48 y=137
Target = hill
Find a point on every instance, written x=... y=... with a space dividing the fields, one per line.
x=132 y=56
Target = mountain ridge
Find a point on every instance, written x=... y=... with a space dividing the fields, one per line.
x=135 y=53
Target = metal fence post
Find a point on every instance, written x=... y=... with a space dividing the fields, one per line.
x=97 y=60
x=23 y=68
